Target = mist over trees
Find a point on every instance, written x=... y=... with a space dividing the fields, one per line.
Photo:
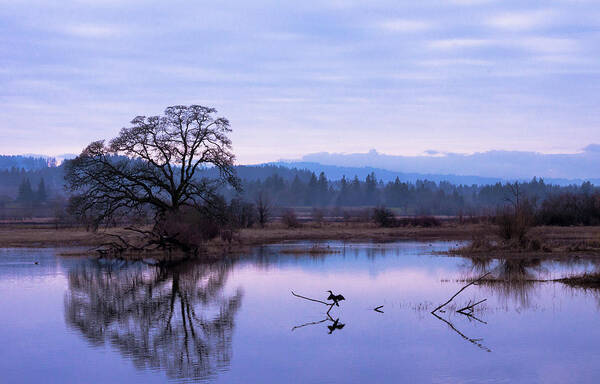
x=30 y=163
x=282 y=187
x=420 y=198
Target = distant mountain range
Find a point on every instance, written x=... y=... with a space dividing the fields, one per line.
x=477 y=167
x=26 y=162
x=334 y=172
x=31 y=161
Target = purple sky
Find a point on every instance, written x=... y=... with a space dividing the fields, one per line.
x=294 y=78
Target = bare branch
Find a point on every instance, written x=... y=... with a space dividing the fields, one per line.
x=457 y=293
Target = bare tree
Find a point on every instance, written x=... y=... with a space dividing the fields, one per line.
x=516 y=221
x=263 y=208
x=154 y=166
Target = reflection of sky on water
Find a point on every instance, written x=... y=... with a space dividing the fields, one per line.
x=537 y=332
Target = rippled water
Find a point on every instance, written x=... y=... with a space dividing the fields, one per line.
x=236 y=321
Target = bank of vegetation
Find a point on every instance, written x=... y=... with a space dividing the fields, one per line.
x=169 y=182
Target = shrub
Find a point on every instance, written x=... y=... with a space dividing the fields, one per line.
x=480 y=242
x=190 y=228
x=570 y=209
x=346 y=217
x=289 y=219
x=384 y=217
x=419 y=221
x=426 y=221
x=515 y=222
x=317 y=216
x=241 y=214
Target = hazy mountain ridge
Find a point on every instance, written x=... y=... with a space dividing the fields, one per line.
x=334 y=172
x=26 y=162
x=497 y=164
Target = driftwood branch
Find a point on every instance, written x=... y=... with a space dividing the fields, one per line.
x=457 y=293
x=470 y=307
x=308 y=298
x=330 y=305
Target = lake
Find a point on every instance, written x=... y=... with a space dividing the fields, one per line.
x=73 y=320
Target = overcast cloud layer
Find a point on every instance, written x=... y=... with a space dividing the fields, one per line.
x=310 y=76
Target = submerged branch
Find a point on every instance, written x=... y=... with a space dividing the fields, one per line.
x=470 y=307
x=457 y=293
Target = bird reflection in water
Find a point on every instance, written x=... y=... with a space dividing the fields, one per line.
x=334 y=326
x=173 y=318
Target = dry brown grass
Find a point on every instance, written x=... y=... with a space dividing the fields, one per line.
x=357 y=232
x=579 y=241
x=47 y=236
x=541 y=241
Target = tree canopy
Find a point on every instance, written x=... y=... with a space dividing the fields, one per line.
x=154 y=165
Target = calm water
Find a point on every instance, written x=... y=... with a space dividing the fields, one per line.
x=81 y=320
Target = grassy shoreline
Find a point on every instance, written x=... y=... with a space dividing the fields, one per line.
x=564 y=241
x=43 y=236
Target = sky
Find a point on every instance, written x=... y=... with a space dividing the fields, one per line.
x=404 y=77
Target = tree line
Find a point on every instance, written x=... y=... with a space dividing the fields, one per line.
x=420 y=198
x=285 y=187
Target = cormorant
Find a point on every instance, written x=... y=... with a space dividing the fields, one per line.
x=335 y=298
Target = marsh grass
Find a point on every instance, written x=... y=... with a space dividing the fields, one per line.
x=582 y=241
x=586 y=280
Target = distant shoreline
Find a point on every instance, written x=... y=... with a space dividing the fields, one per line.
x=566 y=241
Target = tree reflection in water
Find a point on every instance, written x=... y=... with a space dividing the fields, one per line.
x=511 y=280
x=175 y=319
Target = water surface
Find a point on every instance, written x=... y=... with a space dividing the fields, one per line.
x=84 y=320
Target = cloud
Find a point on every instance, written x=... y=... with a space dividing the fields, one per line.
x=595 y=148
x=470 y=2
x=533 y=43
x=455 y=62
x=519 y=21
x=450 y=44
x=92 y=30
x=405 y=25
x=547 y=44
x=419 y=75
